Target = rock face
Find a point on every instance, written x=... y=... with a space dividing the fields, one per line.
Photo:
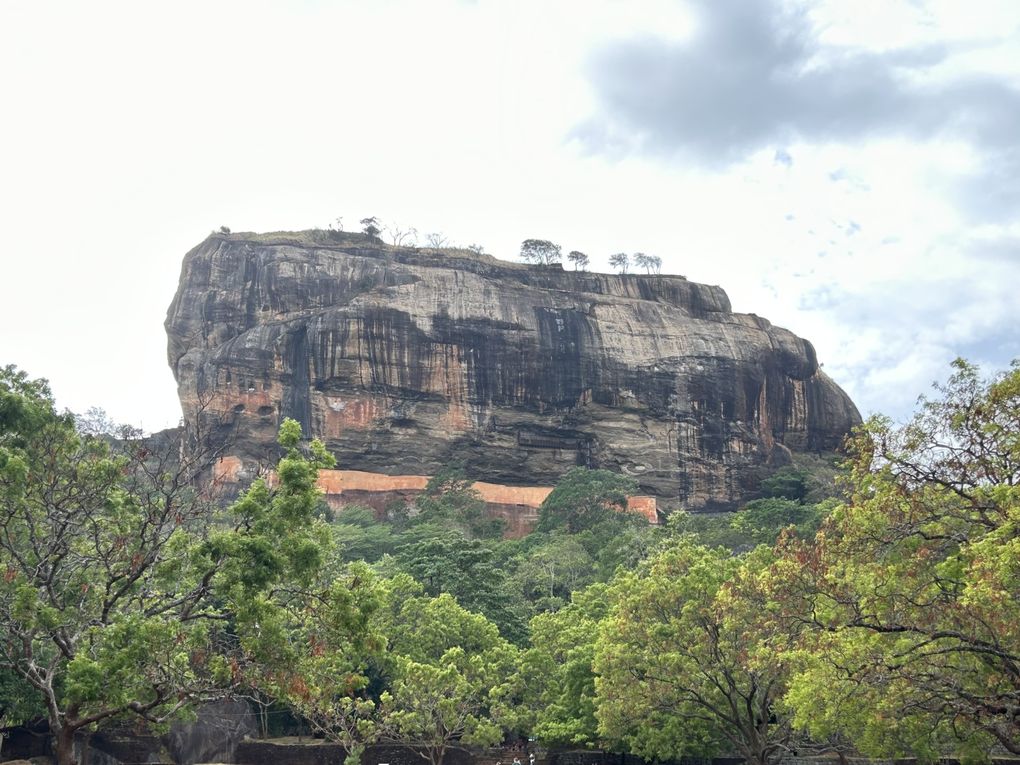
x=405 y=360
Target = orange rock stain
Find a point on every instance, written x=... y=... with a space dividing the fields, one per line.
x=340 y=414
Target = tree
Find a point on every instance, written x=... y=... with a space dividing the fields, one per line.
x=371 y=226
x=444 y=661
x=579 y=259
x=643 y=261
x=540 y=251
x=912 y=589
x=117 y=582
x=787 y=483
x=680 y=666
x=401 y=235
x=583 y=498
x=763 y=520
x=433 y=705
x=553 y=570
x=620 y=261
x=552 y=693
x=360 y=536
x=437 y=240
x=450 y=499
x=314 y=649
x=97 y=423
x=466 y=569
x=334 y=231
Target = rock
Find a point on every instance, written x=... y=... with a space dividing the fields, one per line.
x=405 y=360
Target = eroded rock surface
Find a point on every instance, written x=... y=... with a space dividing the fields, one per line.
x=405 y=360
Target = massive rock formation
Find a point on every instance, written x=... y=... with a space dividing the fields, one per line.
x=404 y=360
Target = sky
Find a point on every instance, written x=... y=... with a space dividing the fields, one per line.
x=848 y=169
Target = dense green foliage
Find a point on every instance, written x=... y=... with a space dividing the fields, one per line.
x=677 y=661
x=879 y=615
x=911 y=594
x=122 y=592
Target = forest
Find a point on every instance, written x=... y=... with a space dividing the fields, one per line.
x=866 y=603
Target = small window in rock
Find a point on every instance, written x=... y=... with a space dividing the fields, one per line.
x=228 y=378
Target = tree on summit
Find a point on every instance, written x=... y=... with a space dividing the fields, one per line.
x=579 y=259
x=620 y=261
x=648 y=262
x=371 y=226
x=540 y=251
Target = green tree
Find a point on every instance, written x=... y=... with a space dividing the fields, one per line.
x=424 y=628
x=681 y=669
x=314 y=650
x=763 y=520
x=117 y=585
x=468 y=570
x=553 y=570
x=360 y=536
x=787 y=483
x=371 y=226
x=19 y=702
x=579 y=259
x=552 y=693
x=450 y=499
x=913 y=586
x=443 y=663
x=584 y=498
x=433 y=705
x=540 y=251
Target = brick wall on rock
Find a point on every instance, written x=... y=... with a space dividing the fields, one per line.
x=517 y=505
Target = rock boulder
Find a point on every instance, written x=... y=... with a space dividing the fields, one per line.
x=404 y=360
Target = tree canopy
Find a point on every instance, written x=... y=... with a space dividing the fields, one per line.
x=118 y=581
x=579 y=259
x=882 y=614
x=912 y=589
x=540 y=251
x=677 y=661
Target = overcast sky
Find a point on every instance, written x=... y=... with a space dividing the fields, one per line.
x=849 y=170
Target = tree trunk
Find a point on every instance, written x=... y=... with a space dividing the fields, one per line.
x=65 y=747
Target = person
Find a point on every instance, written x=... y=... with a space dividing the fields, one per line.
x=531 y=759
x=517 y=760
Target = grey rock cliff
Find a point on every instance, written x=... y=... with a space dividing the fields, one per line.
x=404 y=360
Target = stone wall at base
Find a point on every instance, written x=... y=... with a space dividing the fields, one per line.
x=516 y=505
x=324 y=753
